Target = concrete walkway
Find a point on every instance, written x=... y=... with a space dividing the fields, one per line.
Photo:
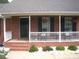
x=42 y=55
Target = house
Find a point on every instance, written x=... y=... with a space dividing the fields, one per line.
x=39 y=22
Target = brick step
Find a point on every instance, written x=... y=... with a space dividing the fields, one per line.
x=19 y=49
x=17 y=42
x=17 y=46
x=12 y=44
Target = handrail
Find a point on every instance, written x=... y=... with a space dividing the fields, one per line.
x=54 y=36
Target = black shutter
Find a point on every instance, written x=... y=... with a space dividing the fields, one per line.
x=51 y=24
x=40 y=24
x=62 y=24
x=73 y=24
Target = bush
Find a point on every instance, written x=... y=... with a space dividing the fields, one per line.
x=47 y=48
x=2 y=57
x=4 y=52
x=72 y=47
x=33 y=48
x=60 y=48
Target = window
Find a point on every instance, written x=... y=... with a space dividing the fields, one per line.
x=46 y=24
x=68 y=23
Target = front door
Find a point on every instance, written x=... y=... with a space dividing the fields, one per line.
x=24 y=27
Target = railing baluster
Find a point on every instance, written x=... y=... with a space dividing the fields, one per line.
x=70 y=36
x=44 y=36
x=54 y=36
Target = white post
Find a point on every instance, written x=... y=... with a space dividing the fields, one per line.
x=4 y=28
x=29 y=28
x=59 y=28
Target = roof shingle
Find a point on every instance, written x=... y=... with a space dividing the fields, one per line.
x=40 y=6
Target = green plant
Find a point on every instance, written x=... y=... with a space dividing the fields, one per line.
x=4 y=52
x=33 y=48
x=47 y=48
x=2 y=57
x=60 y=48
x=72 y=47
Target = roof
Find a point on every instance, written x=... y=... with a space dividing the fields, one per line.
x=22 y=6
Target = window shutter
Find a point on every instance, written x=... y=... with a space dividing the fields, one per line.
x=39 y=24
x=73 y=24
x=51 y=24
x=62 y=24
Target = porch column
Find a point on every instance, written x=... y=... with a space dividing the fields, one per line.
x=29 y=28
x=59 y=28
x=4 y=28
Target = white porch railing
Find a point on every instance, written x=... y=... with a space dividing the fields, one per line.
x=54 y=36
x=69 y=36
x=44 y=36
x=8 y=36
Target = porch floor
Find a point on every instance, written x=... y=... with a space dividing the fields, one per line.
x=15 y=40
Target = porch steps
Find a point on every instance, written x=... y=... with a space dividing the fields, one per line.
x=18 y=45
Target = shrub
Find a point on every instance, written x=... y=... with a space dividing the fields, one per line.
x=2 y=57
x=72 y=47
x=4 y=52
x=33 y=48
x=47 y=48
x=60 y=48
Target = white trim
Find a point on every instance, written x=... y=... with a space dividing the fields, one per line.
x=55 y=32
x=24 y=17
x=29 y=28
x=44 y=32
x=4 y=27
x=41 y=13
x=59 y=28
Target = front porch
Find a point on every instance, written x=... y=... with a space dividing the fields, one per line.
x=24 y=31
x=41 y=28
